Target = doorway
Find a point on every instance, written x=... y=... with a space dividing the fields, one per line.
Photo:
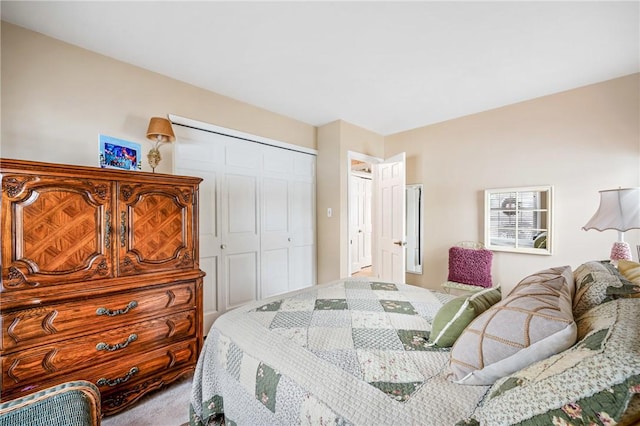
x=360 y=214
x=376 y=217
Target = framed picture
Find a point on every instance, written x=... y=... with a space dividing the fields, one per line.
x=119 y=154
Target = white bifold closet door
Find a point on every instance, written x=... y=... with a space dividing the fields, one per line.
x=257 y=217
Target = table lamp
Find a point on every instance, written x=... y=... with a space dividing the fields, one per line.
x=620 y=210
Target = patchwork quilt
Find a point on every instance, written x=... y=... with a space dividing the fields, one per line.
x=352 y=352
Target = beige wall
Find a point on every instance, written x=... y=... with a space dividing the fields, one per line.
x=335 y=140
x=580 y=141
x=57 y=98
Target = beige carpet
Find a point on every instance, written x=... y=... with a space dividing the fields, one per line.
x=166 y=407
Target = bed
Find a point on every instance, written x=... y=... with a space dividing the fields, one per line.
x=358 y=352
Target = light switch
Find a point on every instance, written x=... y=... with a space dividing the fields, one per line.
x=329 y=212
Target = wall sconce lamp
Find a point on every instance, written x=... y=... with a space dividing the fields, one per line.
x=160 y=132
x=620 y=210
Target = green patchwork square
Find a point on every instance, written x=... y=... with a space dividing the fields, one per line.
x=414 y=340
x=273 y=306
x=594 y=342
x=331 y=304
x=266 y=386
x=507 y=385
x=398 y=307
x=213 y=407
x=384 y=286
x=625 y=290
x=398 y=391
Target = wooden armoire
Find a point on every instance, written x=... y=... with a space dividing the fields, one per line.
x=100 y=279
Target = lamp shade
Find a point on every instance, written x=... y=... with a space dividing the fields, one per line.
x=619 y=209
x=160 y=130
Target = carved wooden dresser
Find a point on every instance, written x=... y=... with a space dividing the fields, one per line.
x=100 y=279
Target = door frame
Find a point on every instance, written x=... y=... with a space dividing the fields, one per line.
x=352 y=155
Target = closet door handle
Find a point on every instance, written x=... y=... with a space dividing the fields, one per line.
x=223 y=246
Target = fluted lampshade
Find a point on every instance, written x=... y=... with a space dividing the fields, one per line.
x=160 y=130
x=619 y=210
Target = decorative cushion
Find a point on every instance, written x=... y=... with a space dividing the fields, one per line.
x=533 y=322
x=593 y=382
x=596 y=283
x=630 y=270
x=454 y=316
x=470 y=266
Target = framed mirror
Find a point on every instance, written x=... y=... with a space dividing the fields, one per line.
x=519 y=219
x=414 y=229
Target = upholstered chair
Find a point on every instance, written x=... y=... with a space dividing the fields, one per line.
x=70 y=404
x=469 y=268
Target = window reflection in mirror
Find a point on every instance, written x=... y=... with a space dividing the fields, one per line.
x=414 y=229
x=519 y=219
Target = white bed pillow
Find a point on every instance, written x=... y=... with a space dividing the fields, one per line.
x=533 y=322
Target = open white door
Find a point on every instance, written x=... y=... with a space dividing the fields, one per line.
x=389 y=212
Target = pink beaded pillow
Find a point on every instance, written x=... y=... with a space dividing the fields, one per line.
x=470 y=266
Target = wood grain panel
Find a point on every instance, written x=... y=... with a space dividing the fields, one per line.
x=156 y=228
x=60 y=230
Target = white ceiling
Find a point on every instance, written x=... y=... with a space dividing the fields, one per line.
x=385 y=66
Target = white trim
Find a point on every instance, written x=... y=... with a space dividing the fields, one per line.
x=362 y=157
x=176 y=119
x=548 y=251
x=363 y=175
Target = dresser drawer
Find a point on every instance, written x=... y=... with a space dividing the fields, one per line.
x=119 y=375
x=22 y=368
x=47 y=324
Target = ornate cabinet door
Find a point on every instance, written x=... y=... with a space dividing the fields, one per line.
x=55 y=230
x=155 y=228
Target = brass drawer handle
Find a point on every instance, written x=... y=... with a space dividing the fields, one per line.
x=123 y=228
x=107 y=229
x=110 y=348
x=110 y=313
x=104 y=381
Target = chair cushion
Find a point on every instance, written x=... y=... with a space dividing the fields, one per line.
x=470 y=266
x=533 y=322
x=454 y=316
